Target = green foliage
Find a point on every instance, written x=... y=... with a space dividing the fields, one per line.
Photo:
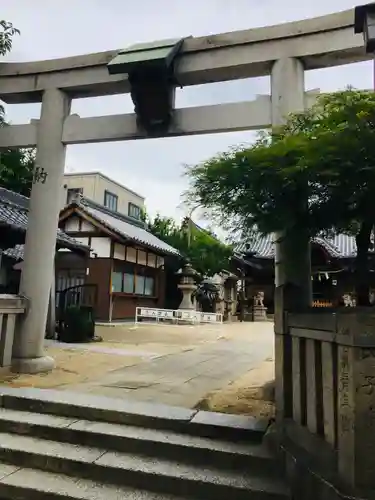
x=326 y=154
x=205 y=252
x=16 y=170
x=241 y=187
x=317 y=172
x=340 y=156
x=16 y=165
x=7 y=32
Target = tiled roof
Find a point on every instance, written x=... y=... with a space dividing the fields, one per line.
x=15 y=253
x=339 y=246
x=125 y=226
x=261 y=246
x=15 y=198
x=345 y=244
x=14 y=214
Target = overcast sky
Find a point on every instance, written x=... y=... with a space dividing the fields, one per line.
x=54 y=28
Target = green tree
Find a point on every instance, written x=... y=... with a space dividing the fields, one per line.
x=16 y=170
x=205 y=252
x=315 y=173
x=16 y=165
x=7 y=33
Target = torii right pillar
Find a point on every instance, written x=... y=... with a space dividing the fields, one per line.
x=293 y=289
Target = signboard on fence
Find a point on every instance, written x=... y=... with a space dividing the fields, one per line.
x=154 y=313
x=171 y=316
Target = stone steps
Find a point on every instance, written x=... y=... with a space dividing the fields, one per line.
x=143 y=441
x=33 y=484
x=155 y=416
x=48 y=450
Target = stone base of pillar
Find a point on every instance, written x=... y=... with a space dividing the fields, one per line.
x=248 y=315
x=260 y=313
x=231 y=318
x=33 y=365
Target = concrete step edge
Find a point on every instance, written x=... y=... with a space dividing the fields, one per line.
x=161 y=476
x=154 y=443
x=100 y=408
x=34 y=484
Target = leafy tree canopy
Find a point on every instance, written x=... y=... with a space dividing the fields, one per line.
x=7 y=32
x=326 y=155
x=16 y=170
x=16 y=165
x=205 y=252
x=316 y=172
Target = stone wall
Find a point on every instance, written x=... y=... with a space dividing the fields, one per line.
x=325 y=369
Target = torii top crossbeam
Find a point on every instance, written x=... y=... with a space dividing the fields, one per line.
x=319 y=42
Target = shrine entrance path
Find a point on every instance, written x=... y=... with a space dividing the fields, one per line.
x=177 y=366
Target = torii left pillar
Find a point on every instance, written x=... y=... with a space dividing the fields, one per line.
x=45 y=204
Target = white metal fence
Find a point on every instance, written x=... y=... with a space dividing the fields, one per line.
x=175 y=317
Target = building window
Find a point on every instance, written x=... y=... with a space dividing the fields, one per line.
x=134 y=211
x=116 y=281
x=140 y=285
x=149 y=286
x=72 y=194
x=133 y=281
x=110 y=201
x=128 y=283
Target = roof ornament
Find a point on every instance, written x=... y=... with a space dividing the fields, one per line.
x=151 y=70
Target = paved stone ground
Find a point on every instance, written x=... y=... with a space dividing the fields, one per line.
x=184 y=377
x=171 y=365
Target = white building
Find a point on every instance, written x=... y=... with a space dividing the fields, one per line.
x=104 y=191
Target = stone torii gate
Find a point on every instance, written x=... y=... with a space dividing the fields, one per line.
x=151 y=73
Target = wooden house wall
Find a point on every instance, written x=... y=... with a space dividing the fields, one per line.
x=111 y=258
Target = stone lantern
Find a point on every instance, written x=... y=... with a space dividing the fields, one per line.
x=187 y=286
x=230 y=291
x=218 y=282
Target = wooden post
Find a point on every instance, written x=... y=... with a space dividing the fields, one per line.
x=51 y=319
x=329 y=374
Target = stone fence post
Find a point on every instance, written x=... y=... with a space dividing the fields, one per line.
x=325 y=400
x=356 y=397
